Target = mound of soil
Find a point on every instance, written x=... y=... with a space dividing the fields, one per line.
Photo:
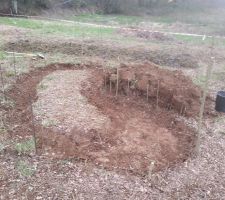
x=145 y=34
x=89 y=48
x=171 y=89
x=138 y=138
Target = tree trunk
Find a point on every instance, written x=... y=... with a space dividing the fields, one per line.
x=14 y=6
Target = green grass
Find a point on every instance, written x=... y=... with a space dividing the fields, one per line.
x=25 y=147
x=207 y=21
x=199 y=40
x=108 y=19
x=2 y=55
x=25 y=169
x=52 y=28
x=58 y=28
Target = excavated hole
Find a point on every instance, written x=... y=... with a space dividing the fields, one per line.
x=78 y=116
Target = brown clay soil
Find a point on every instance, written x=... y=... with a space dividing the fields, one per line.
x=174 y=90
x=138 y=138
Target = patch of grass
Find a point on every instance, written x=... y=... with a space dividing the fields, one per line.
x=25 y=147
x=199 y=80
x=58 y=28
x=198 y=40
x=49 y=122
x=3 y=129
x=25 y=169
x=9 y=74
x=108 y=19
x=2 y=147
x=42 y=86
x=8 y=103
x=2 y=55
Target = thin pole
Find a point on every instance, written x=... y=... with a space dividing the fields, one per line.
x=33 y=126
x=117 y=81
x=157 y=96
x=3 y=83
x=110 y=85
x=203 y=100
x=202 y=107
x=14 y=63
x=147 y=91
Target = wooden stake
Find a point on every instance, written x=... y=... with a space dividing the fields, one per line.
x=117 y=81
x=105 y=85
x=203 y=100
x=157 y=96
x=147 y=91
x=33 y=126
x=117 y=77
x=181 y=109
x=110 y=85
x=3 y=83
x=128 y=86
x=14 y=63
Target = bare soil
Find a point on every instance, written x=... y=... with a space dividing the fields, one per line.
x=144 y=34
x=171 y=89
x=167 y=57
x=137 y=136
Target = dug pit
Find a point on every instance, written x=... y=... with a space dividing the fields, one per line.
x=79 y=115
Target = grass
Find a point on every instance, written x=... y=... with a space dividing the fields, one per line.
x=2 y=147
x=2 y=55
x=25 y=147
x=58 y=28
x=49 y=123
x=42 y=86
x=108 y=19
x=208 y=21
x=25 y=169
x=52 y=28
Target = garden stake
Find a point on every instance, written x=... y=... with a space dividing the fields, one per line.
x=157 y=96
x=128 y=86
x=203 y=100
x=33 y=126
x=110 y=85
x=147 y=91
x=117 y=81
x=14 y=63
x=181 y=110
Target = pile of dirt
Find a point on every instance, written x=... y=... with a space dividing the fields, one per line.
x=138 y=138
x=144 y=34
x=171 y=89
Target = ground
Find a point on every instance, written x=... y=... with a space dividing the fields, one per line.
x=53 y=173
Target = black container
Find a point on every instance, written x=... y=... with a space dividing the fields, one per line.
x=220 y=101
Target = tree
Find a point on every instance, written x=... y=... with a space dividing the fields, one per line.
x=14 y=6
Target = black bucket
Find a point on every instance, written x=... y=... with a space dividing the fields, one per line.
x=220 y=101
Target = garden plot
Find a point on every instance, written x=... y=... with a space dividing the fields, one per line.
x=82 y=112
